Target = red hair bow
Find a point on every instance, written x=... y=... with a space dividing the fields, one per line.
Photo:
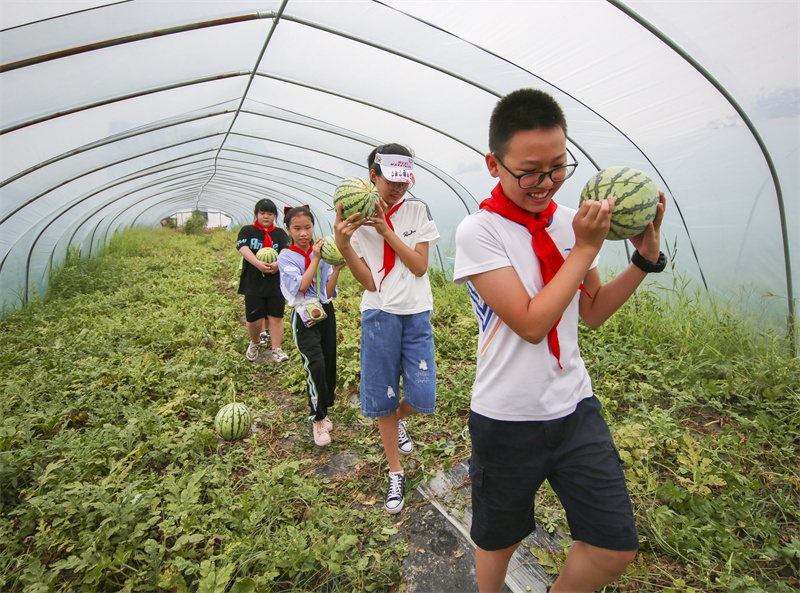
x=287 y=208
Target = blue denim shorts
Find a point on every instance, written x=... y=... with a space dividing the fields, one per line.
x=391 y=346
x=575 y=454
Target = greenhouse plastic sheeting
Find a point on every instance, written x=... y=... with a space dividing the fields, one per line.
x=119 y=114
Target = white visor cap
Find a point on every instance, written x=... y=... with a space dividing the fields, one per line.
x=396 y=167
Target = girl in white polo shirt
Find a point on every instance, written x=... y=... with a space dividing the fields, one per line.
x=388 y=255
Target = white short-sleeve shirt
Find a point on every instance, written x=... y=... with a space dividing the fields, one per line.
x=516 y=380
x=402 y=292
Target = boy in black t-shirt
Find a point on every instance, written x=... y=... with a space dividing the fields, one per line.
x=259 y=283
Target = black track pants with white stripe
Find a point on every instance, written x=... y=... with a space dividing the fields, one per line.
x=317 y=347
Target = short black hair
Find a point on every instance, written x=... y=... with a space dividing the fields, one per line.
x=265 y=205
x=392 y=148
x=523 y=109
x=290 y=214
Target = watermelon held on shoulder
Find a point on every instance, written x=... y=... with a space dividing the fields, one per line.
x=330 y=252
x=635 y=199
x=233 y=421
x=356 y=194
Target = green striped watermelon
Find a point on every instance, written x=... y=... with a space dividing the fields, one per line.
x=635 y=199
x=356 y=194
x=267 y=254
x=233 y=421
x=330 y=253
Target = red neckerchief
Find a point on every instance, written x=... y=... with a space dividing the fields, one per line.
x=305 y=254
x=549 y=255
x=389 y=255
x=266 y=233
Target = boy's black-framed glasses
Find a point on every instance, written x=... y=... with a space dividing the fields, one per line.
x=534 y=178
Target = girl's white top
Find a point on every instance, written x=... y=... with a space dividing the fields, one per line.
x=402 y=292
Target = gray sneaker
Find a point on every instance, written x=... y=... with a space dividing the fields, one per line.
x=279 y=355
x=264 y=337
x=404 y=442
x=252 y=352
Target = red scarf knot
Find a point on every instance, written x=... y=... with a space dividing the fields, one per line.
x=305 y=254
x=550 y=257
x=267 y=239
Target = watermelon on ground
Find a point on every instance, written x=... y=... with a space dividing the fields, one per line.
x=233 y=421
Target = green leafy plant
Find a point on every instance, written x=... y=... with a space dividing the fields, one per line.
x=196 y=223
x=112 y=478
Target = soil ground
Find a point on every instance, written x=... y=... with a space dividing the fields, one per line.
x=434 y=522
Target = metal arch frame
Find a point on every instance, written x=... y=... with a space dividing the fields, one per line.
x=449 y=181
x=179 y=121
x=456 y=187
x=114 y=163
x=569 y=138
x=277 y=16
x=110 y=140
x=617 y=4
x=443 y=177
x=120 y=98
x=79 y=224
x=126 y=159
x=791 y=319
x=72 y=51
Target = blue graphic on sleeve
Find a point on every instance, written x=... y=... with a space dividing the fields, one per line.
x=482 y=311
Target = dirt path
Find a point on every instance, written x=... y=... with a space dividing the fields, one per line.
x=434 y=522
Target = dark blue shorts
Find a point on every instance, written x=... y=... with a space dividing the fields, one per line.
x=261 y=307
x=575 y=454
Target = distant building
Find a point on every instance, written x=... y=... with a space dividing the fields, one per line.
x=215 y=219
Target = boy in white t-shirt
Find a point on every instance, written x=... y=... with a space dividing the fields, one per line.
x=531 y=269
x=388 y=255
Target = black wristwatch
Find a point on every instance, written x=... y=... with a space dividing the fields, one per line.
x=646 y=265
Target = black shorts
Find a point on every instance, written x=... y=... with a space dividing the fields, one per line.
x=260 y=307
x=576 y=454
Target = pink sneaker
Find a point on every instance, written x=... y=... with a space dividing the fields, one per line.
x=326 y=422
x=321 y=436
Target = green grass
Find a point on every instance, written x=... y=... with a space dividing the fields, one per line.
x=111 y=476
